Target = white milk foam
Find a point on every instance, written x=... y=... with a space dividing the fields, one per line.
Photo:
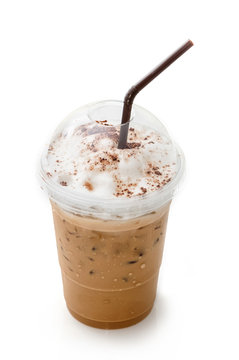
x=86 y=160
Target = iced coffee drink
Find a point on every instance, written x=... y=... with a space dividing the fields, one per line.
x=110 y=209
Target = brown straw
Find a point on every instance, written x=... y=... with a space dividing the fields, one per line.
x=134 y=90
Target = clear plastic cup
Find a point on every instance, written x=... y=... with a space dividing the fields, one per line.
x=110 y=249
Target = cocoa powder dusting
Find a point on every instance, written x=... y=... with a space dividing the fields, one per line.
x=88 y=185
x=144 y=190
x=114 y=157
x=104 y=161
x=63 y=183
x=133 y=145
x=156 y=173
x=103 y=122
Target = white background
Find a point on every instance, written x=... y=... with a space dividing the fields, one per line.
x=58 y=55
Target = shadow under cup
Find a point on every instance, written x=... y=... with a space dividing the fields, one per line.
x=110 y=267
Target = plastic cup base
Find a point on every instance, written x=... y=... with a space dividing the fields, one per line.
x=109 y=325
